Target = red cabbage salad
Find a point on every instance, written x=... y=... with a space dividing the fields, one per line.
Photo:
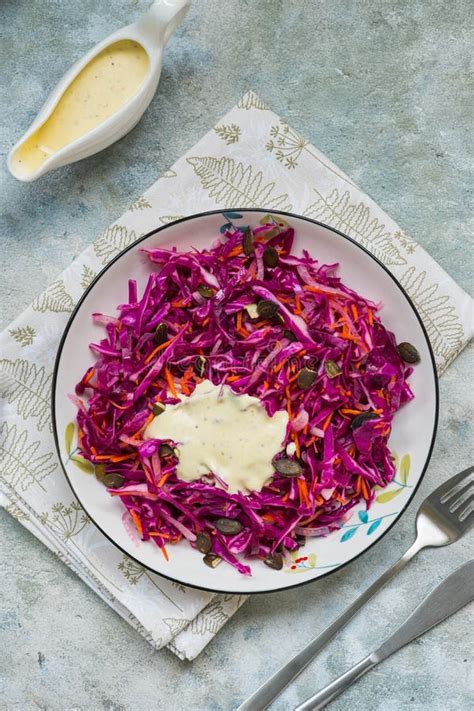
x=248 y=314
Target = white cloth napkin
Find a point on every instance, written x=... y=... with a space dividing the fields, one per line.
x=252 y=158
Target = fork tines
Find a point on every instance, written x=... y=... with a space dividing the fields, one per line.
x=465 y=489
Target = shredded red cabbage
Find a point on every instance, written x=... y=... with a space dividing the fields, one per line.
x=192 y=323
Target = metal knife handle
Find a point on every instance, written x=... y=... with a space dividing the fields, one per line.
x=323 y=697
x=261 y=698
x=452 y=594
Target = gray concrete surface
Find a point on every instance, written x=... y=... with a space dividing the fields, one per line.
x=382 y=87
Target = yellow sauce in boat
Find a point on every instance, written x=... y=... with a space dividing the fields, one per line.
x=102 y=87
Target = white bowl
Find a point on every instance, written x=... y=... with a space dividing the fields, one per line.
x=412 y=437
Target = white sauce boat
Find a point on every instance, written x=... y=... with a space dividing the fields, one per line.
x=152 y=32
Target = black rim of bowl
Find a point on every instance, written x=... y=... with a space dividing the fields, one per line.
x=263 y=212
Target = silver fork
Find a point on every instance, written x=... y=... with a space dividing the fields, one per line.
x=443 y=517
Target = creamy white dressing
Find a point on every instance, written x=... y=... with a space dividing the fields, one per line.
x=221 y=432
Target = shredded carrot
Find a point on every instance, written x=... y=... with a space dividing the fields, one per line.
x=327 y=421
x=232 y=378
x=164 y=478
x=165 y=552
x=358 y=484
x=349 y=411
x=355 y=313
x=268 y=517
x=243 y=332
x=285 y=498
x=170 y=381
x=115 y=457
x=235 y=251
x=119 y=407
x=365 y=489
x=298 y=309
x=297 y=443
x=370 y=317
x=144 y=426
x=317 y=290
x=89 y=375
x=159 y=535
x=157 y=350
x=239 y=320
x=319 y=500
x=303 y=492
x=179 y=303
x=137 y=522
x=288 y=402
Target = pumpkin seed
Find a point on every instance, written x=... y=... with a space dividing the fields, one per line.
x=301 y=540
x=99 y=472
x=332 y=369
x=228 y=526
x=158 y=408
x=290 y=336
x=207 y=292
x=200 y=366
x=247 y=242
x=278 y=319
x=306 y=378
x=212 y=560
x=274 y=560
x=267 y=309
x=252 y=310
x=113 y=481
x=166 y=451
x=287 y=467
x=408 y=353
x=203 y=542
x=270 y=257
x=363 y=417
x=161 y=333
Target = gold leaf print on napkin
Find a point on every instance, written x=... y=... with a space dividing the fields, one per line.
x=22 y=464
x=233 y=185
x=17 y=512
x=176 y=624
x=140 y=203
x=355 y=220
x=209 y=620
x=133 y=572
x=230 y=133
x=166 y=219
x=438 y=314
x=113 y=241
x=29 y=386
x=88 y=276
x=250 y=100
x=24 y=336
x=65 y=521
x=55 y=299
x=287 y=145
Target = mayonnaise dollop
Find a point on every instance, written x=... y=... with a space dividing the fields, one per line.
x=219 y=431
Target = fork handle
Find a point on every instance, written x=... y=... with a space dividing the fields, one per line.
x=261 y=698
